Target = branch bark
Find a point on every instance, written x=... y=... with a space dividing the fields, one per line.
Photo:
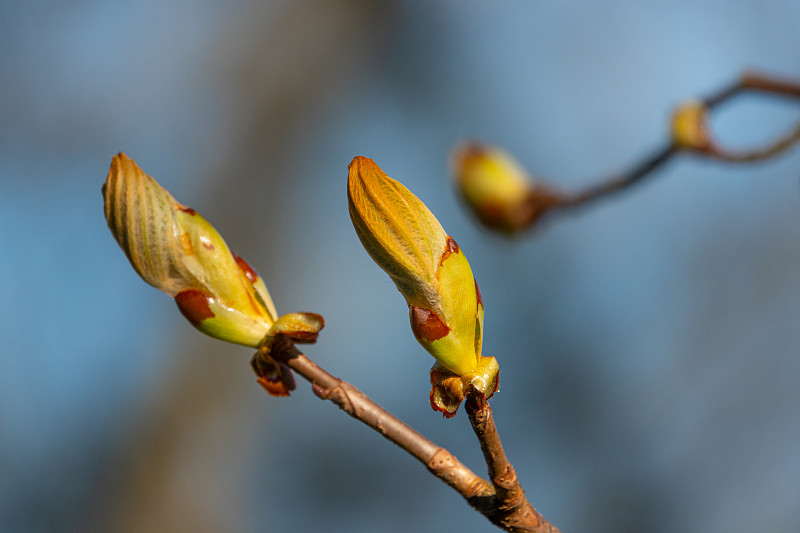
x=502 y=500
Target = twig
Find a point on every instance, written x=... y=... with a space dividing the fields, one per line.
x=758 y=154
x=754 y=81
x=549 y=200
x=508 y=509
x=749 y=81
x=620 y=181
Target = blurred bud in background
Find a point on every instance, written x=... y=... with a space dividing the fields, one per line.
x=429 y=269
x=689 y=127
x=498 y=190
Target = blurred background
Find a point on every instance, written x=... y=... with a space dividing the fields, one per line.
x=648 y=344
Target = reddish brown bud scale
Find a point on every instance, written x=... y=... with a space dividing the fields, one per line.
x=437 y=404
x=302 y=336
x=246 y=269
x=193 y=304
x=451 y=248
x=278 y=385
x=427 y=325
x=446 y=394
x=478 y=294
x=274 y=388
x=188 y=210
x=275 y=377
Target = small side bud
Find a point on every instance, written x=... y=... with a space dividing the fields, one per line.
x=449 y=390
x=498 y=190
x=689 y=127
x=429 y=269
x=276 y=378
x=300 y=327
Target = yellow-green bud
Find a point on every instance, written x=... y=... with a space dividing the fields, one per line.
x=177 y=251
x=429 y=269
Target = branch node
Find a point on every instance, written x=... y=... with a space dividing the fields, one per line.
x=441 y=460
x=335 y=394
x=481 y=494
x=508 y=479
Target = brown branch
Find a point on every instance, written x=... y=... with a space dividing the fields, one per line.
x=757 y=82
x=619 y=182
x=777 y=146
x=508 y=509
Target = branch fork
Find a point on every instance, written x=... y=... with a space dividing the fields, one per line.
x=500 y=499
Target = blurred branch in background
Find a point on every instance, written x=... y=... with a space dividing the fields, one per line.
x=505 y=199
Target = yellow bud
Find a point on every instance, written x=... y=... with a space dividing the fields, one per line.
x=300 y=327
x=689 y=128
x=497 y=189
x=177 y=251
x=429 y=269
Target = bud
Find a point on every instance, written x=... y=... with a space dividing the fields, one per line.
x=689 y=128
x=448 y=390
x=176 y=250
x=498 y=190
x=429 y=269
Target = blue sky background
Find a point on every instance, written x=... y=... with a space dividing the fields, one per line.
x=648 y=344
